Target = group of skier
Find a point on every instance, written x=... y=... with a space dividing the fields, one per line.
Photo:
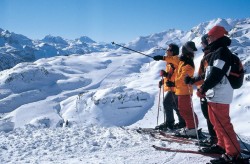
x=214 y=90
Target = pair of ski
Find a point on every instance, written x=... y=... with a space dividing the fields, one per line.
x=158 y=134
x=171 y=138
x=166 y=136
x=244 y=160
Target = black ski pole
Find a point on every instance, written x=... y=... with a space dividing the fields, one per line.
x=131 y=49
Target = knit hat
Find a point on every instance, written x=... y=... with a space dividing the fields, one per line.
x=174 y=48
x=204 y=39
x=190 y=46
x=217 y=32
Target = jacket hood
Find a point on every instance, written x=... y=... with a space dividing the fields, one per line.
x=221 y=42
x=187 y=59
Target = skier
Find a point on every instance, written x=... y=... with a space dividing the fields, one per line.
x=219 y=93
x=170 y=101
x=198 y=80
x=182 y=90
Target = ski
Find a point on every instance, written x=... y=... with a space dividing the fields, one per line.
x=164 y=136
x=245 y=158
x=170 y=133
x=184 y=151
x=171 y=138
x=159 y=134
x=187 y=140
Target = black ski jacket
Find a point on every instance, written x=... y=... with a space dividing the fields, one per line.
x=218 y=66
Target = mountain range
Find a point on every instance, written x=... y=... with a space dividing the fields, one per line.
x=16 y=48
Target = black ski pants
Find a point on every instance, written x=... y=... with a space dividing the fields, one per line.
x=204 y=109
x=170 y=104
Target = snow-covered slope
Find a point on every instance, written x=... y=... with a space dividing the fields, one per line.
x=97 y=93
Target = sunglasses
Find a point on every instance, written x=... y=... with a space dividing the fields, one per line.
x=209 y=36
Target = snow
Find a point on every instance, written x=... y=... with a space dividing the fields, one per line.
x=87 y=145
x=104 y=96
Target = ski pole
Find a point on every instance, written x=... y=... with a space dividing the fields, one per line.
x=131 y=49
x=195 y=123
x=159 y=106
x=164 y=112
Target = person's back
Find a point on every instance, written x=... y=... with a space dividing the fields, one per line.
x=198 y=81
x=220 y=90
x=219 y=93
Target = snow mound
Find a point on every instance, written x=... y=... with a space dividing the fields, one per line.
x=119 y=106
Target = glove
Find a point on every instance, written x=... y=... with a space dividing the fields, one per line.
x=160 y=83
x=170 y=84
x=189 y=80
x=200 y=93
x=163 y=73
x=158 y=57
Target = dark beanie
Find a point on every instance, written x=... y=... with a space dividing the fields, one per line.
x=190 y=46
x=204 y=39
x=174 y=48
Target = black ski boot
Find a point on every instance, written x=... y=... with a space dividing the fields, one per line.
x=208 y=142
x=162 y=126
x=225 y=158
x=179 y=125
x=214 y=149
x=165 y=126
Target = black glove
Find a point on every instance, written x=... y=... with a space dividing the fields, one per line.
x=170 y=84
x=189 y=80
x=163 y=73
x=158 y=57
x=160 y=83
x=200 y=93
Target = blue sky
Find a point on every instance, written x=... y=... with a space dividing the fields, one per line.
x=112 y=20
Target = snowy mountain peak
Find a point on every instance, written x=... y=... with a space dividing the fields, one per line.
x=54 y=40
x=14 y=39
x=226 y=23
x=161 y=39
x=85 y=39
